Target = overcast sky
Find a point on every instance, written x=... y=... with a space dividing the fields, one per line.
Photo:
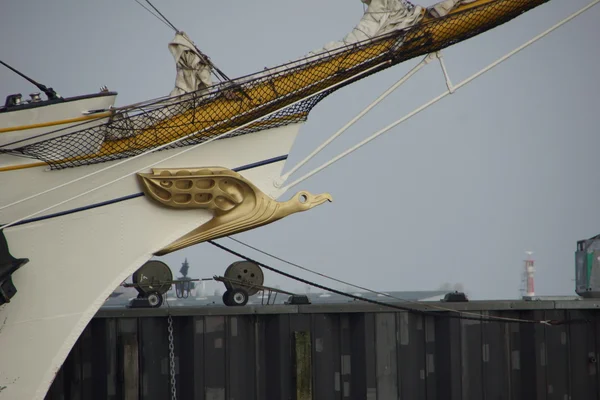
x=506 y=164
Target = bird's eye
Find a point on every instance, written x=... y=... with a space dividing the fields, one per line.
x=303 y=198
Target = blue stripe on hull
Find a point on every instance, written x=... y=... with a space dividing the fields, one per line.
x=135 y=195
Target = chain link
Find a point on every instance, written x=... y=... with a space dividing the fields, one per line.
x=172 y=360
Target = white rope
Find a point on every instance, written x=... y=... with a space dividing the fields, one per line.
x=107 y=168
x=400 y=82
x=172 y=142
x=166 y=158
x=451 y=90
x=180 y=139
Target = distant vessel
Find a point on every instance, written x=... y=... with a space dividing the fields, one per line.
x=74 y=170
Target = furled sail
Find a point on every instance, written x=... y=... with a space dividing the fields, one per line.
x=193 y=79
x=380 y=17
x=390 y=32
x=444 y=7
x=193 y=69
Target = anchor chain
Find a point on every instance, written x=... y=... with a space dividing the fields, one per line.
x=172 y=359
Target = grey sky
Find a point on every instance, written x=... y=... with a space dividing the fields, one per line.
x=502 y=166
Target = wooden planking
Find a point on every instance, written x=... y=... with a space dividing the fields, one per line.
x=130 y=362
x=496 y=360
x=533 y=357
x=374 y=355
x=582 y=348
x=386 y=356
x=215 y=373
x=105 y=359
x=240 y=357
x=557 y=352
x=514 y=356
x=358 y=350
x=472 y=360
x=430 y=362
x=153 y=354
x=277 y=356
x=302 y=355
x=371 y=361
x=128 y=359
x=411 y=355
x=185 y=332
x=198 y=351
x=346 y=355
x=327 y=360
x=261 y=348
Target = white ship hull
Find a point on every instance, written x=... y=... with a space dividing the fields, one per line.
x=81 y=251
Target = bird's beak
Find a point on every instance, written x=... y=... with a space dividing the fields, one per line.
x=322 y=198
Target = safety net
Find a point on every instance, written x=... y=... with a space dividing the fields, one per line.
x=271 y=98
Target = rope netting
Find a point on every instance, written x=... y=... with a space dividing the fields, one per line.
x=262 y=100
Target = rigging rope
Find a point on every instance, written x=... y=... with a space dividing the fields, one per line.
x=455 y=314
x=153 y=14
x=218 y=73
x=313 y=271
x=185 y=150
x=351 y=284
x=389 y=91
x=163 y=17
x=451 y=90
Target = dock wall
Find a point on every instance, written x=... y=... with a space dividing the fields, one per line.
x=349 y=351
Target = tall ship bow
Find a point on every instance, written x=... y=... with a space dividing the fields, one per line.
x=92 y=190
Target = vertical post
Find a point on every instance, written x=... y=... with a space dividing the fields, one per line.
x=131 y=382
x=302 y=368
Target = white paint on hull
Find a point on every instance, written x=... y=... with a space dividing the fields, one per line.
x=49 y=113
x=230 y=153
x=86 y=255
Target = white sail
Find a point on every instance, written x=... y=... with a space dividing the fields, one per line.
x=193 y=70
x=380 y=17
x=444 y=7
